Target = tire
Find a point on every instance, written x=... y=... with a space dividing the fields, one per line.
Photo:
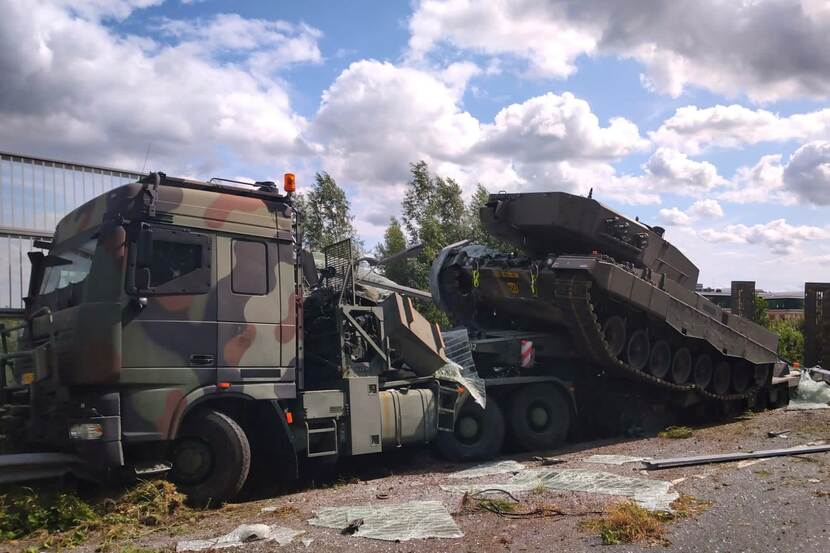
x=211 y=458
x=478 y=434
x=540 y=417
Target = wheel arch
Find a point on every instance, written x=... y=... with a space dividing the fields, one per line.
x=263 y=420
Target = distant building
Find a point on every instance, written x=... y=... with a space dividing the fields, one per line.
x=780 y=305
x=35 y=193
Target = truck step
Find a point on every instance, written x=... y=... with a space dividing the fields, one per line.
x=324 y=442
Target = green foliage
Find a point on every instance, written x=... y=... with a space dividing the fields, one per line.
x=434 y=214
x=326 y=213
x=477 y=233
x=761 y=317
x=394 y=242
x=25 y=512
x=676 y=433
x=790 y=339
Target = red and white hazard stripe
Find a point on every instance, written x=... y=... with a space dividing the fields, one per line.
x=527 y=355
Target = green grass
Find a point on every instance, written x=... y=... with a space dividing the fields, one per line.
x=676 y=433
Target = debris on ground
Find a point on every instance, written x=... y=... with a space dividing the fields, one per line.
x=352 y=527
x=778 y=433
x=627 y=523
x=750 y=462
x=401 y=522
x=242 y=534
x=64 y=520
x=489 y=469
x=676 y=433
x=810 y=394
x=652 y=494
x=614 y=459
x=656 y=464
x=548 y=461
x=726 y=457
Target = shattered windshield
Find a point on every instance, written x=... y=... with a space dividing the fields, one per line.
x=67 y=267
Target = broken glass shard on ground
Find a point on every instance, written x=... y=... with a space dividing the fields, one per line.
x=651 y=494
x=401 y=522
x=614 y=459
x=488 y=469
x=245 y=533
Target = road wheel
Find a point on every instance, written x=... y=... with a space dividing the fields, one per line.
x=681 y=366
x=478 y=434
x=660 y=360
x=211 y=457
x=741 y=378
x=721 y=378
x=703 y=371
x=638 y=350
x=540 y=417
x=614 y=333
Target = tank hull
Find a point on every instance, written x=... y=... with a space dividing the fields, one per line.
x=622 y=316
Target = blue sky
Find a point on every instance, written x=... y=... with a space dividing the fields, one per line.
x=708 y=117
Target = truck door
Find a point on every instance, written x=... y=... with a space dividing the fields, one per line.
x=249 y=345
x=169 y=333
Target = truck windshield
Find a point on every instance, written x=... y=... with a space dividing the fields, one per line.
x=69 y=267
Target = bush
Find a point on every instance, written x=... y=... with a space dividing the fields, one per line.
x=790 y=339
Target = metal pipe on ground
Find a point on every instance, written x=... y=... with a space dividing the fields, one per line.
x=657 y=464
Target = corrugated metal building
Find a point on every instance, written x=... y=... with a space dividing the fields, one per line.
x=34 y=194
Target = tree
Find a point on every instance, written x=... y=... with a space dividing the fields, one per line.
x=327 y=214
x=434 y=214
x=394 y=242
x=760 y=315
x=477 y=232
x=790 y=340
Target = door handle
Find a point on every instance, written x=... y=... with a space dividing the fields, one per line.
x=202 y=359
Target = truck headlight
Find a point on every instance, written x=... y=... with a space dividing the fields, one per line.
x=86 y=431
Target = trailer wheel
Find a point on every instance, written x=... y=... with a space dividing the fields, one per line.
x=478 y=435
x=539 y=417
x=211 y=457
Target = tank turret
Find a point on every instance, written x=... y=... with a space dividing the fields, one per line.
x=556 y=223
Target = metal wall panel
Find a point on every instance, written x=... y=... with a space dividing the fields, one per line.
x=35 y=193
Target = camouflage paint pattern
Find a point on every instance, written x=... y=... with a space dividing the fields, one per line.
x=173 y=351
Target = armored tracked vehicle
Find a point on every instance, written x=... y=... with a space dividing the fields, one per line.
x=609 y=300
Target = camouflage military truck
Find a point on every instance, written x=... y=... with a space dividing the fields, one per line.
x=605 y=309
x=165 y=331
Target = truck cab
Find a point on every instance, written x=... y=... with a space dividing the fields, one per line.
x=164 y=331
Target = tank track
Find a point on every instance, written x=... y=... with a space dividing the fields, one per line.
x=572 y=294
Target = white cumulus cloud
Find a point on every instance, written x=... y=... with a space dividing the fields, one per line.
x=768 y=49
x=72 y=88
x=778 y=236
x=692 y=129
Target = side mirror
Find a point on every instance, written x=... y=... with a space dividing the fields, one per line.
x=144 y=256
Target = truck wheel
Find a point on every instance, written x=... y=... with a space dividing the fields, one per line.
x=478 y=435
x=211 y=457
x=539 y=417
